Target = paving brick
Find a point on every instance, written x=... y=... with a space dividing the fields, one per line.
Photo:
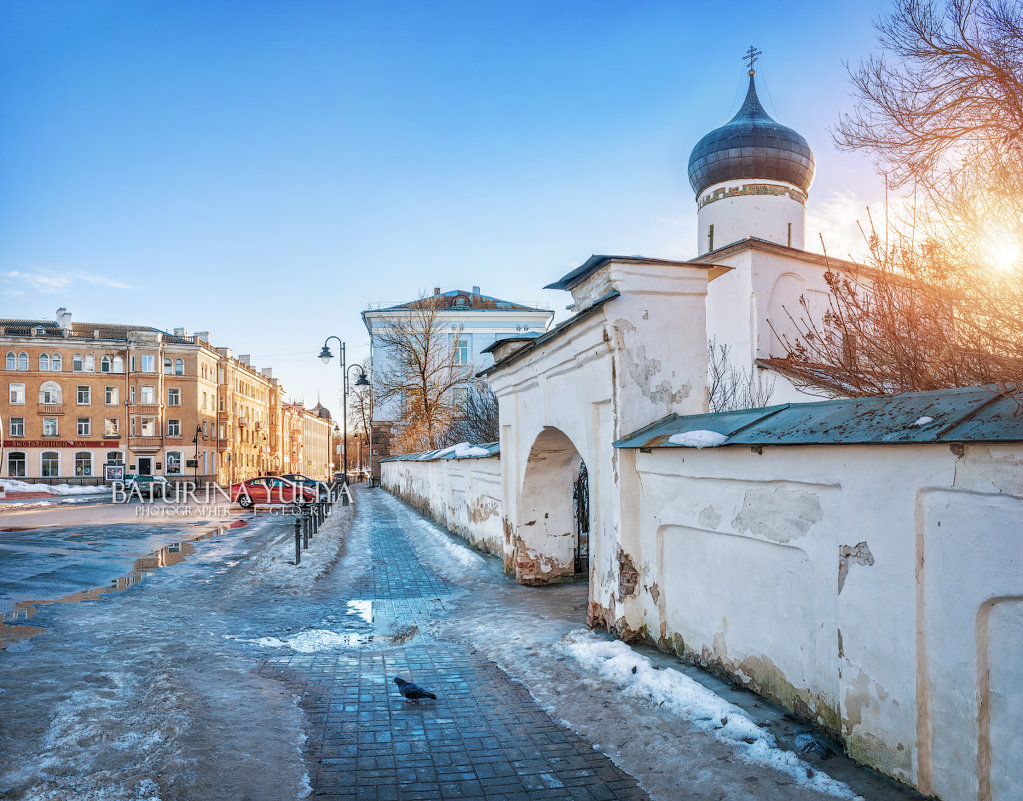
x=484 y=738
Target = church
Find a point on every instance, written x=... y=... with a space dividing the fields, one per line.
x=849 y=559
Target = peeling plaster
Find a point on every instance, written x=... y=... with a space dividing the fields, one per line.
x=858 y=554
x=709 y=518
x=780 y=515
x=628 y=576
x=980 y=471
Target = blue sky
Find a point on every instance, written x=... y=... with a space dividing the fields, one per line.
x=266 y=170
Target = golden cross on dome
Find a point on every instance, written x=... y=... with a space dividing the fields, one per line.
x=751 y=55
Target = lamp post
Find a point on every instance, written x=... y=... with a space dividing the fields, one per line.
x=361 y=381
x=195 y=466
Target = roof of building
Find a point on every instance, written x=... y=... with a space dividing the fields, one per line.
x=967 y=414
x=547 y=336
x=25 y=328
x=595 y=262
x=523 y=337
x=751 y=145
x=461 y=300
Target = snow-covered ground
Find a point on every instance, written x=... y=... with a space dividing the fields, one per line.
x=14 y=485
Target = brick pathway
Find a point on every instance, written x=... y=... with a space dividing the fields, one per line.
x=484 y=738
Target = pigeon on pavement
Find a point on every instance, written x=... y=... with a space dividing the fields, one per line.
x=413 y=692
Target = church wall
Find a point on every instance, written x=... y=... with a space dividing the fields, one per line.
x=872 y=589
x=463 y=495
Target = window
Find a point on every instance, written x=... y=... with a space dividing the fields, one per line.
x=117 y=365
x=17 y=394
x=112 y=427
x=44 y=362
x=458 y=396
x=49 y=463
x=84 y=395
x=203 y=407
x=110 y=395
x=147 y=395
x=462 y=351
x=132 y=427
x=167 y=365
x=12 y=361
x=115 y=457
x=56 y=363
x=84 y=426
x=104 y=364
x=173 y=397
x=49 y=426
x=460 y=301
x=23 y=361
x=204 y=434
x=148 y=364
x=131 y=363
x=49 y=393
x=90 y=364
x=173 y=463
x=173 y=428
x=179 y=367
x=76 y=362
x=16 y=464
x=83 y=463
x=17 y=428
x=131 y=394
x=147 y=427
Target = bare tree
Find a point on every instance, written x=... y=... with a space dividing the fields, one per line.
x=940 y=301
x=946 y=93
x=476 y=418
x=731 y=388
x=360 y=405
x=420 y=373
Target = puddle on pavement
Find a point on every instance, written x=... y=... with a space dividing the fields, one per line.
x=172 y=554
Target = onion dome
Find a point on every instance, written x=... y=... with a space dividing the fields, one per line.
x=751 y=145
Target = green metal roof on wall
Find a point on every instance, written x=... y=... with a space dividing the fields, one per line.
x=968 y=414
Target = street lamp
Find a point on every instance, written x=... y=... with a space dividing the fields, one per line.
x=361 y=381
x=195 y=462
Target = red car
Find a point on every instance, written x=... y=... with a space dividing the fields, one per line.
x=270 y=489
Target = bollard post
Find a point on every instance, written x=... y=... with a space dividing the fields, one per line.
x=314 y=520
x=298 y=540
x=344 y=495
x=305 y=529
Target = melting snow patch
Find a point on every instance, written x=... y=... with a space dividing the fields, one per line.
x=463 y=450
x=922 y=421
x=310 y=642
x=13 y=485
x=674 y=691
x=697 y=439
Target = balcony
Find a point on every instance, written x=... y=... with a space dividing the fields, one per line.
x=51 y=408
x=243 y=421
x=144 y=443
x=223 y=417
x=144 y=408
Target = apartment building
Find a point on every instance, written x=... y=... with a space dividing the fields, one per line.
x=91 y=401
x=307 y=438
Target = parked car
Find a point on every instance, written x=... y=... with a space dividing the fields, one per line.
x=148 y=486
x=319 y=487
x=270 y=489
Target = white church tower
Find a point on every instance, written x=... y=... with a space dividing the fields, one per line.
x=751 y=177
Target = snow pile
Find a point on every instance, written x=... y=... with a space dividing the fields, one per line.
x=275 y=565
x=466 y=558
x=669 y=689
x=698 y=439
x=922 y=421
x=13 y=485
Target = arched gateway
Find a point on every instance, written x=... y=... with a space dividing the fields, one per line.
x=634 y=352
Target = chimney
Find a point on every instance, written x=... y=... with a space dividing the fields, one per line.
x=202 y=336
x=181 y=333
x=475 y=290
x=268 y=372
x=246 y=359
x=64 y=320
x=436 y=291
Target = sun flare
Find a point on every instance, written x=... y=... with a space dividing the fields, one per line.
x=1004 y=252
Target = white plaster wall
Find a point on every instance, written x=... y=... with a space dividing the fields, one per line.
x=463 y=495
x=910 y=651
x=763 y=216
